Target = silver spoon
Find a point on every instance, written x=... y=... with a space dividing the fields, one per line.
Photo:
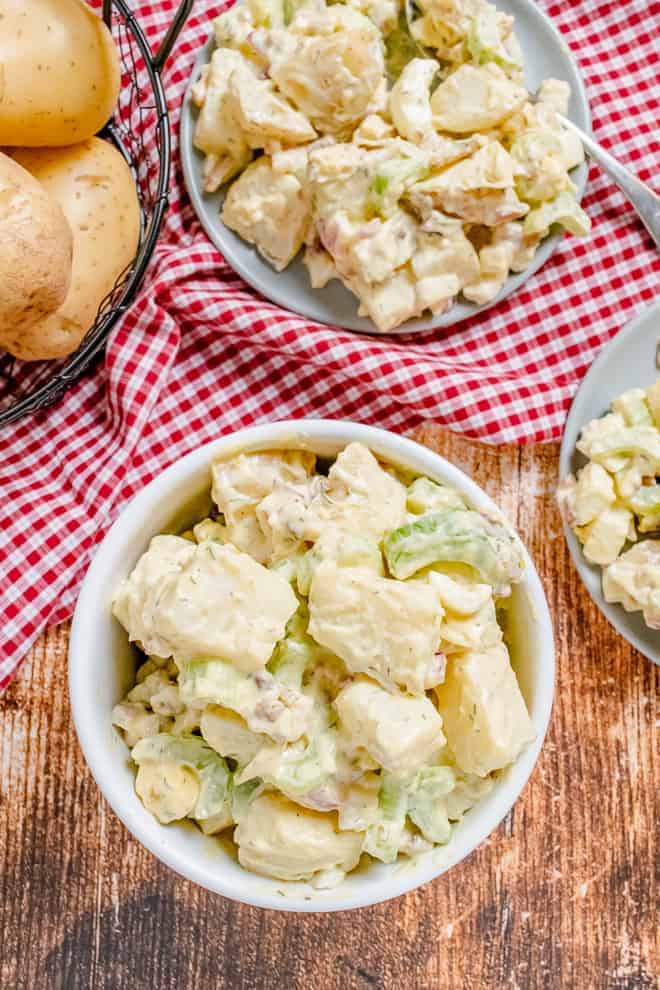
x=645 y=200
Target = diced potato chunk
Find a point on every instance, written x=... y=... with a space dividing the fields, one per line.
x=410 y=105
x=594 y=493
x=265 y=118
x=484 y=714
x=478 y=631
x=634 y=581
x=242 y=482
x=381 y=627
x=475 y=98
x=278 y=838
x=604 y=538
x=135 y=721
x=459 y=594
x=217 y=133
x=220 y=603
x=360 y=497
x=269 y=209
x=401 y=732
x=282 y=514
x=135 y=597
x=632 y=406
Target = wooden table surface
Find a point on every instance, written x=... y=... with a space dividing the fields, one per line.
x=562 y=895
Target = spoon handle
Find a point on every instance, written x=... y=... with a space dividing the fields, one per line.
x=642 y=197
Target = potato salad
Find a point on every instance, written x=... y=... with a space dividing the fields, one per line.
x=325 y=668
x=613 y=504
x=413 y=168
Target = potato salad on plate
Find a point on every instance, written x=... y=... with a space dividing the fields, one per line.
x=613 y=504
x=326 y=669
x=413 y=167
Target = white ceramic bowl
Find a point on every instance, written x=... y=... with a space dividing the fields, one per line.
x=101 y=666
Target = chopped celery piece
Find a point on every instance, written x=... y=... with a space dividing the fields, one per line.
x=295 y=770
x=391 y=181
x=457 y=535
x=383 y=839
x=174 y=749
x=287 y=567
x=242 y=796
x=564 y=210
x=426 y=807
x=290 y=9
x=632 y=441
x=214 y=791
x=301 y=777
x=302 y=772
x=295 y=653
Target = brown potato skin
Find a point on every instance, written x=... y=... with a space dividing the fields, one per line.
x=95 y=189
x=36 y=248
x=59 y=73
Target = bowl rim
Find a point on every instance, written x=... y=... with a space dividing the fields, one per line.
x=102 y=763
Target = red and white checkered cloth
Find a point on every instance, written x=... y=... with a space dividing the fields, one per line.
x=201 y=354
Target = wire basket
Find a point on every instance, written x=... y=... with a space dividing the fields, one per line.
x=140 y=129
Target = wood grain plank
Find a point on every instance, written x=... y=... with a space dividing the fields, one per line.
x=562 y=895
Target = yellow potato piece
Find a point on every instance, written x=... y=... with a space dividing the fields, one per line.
x=35 y=253
x=59 y=72
x=484 y=715
x=95 y=188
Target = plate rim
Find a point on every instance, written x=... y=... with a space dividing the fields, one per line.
x=615 y=614
x=420 y=325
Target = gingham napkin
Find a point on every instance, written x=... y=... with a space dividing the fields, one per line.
x=201 y=354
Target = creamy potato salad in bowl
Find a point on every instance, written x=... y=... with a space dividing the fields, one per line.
x=610 y=479
x=612 y=503
x=311 y=666
x=384 y=180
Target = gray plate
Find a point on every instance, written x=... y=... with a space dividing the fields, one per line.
x=545 y=54
x=628 y=361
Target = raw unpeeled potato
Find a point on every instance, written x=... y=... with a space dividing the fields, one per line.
x=35 y=252
x=59 y=72
x=95 y=189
